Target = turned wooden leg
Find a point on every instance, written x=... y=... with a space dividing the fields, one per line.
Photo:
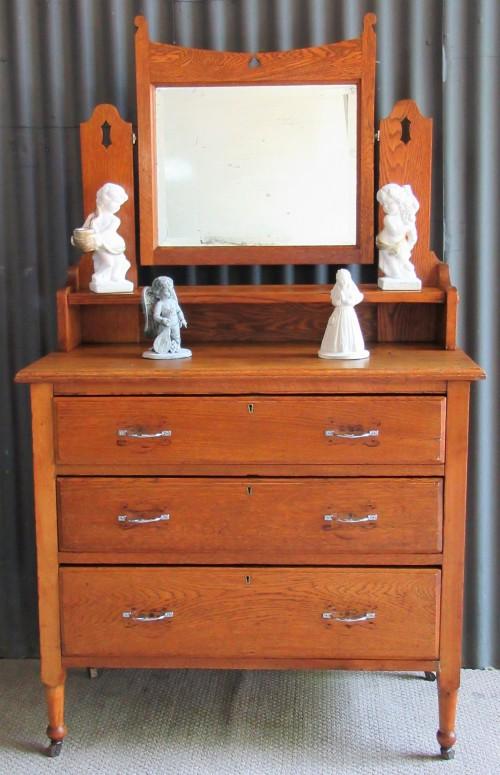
x=446 y=736
x=56 y=730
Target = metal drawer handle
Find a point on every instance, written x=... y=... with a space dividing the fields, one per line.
x=125 y=520
x=361 y=435
x=147 y=617
x=348 y=519
x=369 y=616
x=131 y=434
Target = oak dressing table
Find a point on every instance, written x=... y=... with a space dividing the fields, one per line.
x=254 y=506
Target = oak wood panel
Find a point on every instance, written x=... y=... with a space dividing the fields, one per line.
x=352 y=558
x=409 y=323
x=119 y=323
x=453 y=563
x=254 y=663
x=269 y=255
x=251 y=429
x=245 y=368
x=242 y=521
x=281 y=386
x=454 y=535
x=268 y=323
x=262 y=295
x=170 y=64
x=161 y=64
x=69 y=329
x=250 y=612
x=52 y=671
x=449 y=320
x=248 y=469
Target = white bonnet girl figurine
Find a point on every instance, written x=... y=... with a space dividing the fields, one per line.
x=343 y=337
x=397 y=238
x=99 y=234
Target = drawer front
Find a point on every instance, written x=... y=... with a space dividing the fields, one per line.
x=249 y=521
x=255 y=430
x=250 y=612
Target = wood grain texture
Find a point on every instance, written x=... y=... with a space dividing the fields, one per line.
x=352 y=558
x=250 y=612
x=409 y=323
x=267 y=323
x=263 y=295
x=160 y=64
x=112 y=164
x=449 y=324
x=240 y=521
x=146 y=146
x=69 y=328
x=410 y=163
x=215 y=468
x=244 y=368
x=52 y=672
x=251 y=429
x=453 y=560
x=115 y=323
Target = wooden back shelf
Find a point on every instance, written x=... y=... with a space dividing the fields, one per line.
x=276 y=313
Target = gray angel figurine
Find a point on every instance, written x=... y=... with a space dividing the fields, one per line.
x=163 y=320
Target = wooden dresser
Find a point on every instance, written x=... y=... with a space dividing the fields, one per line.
x=254 y=506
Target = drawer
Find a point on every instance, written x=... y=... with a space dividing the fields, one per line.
x=250 y=612
x=249 y=521
x=256 y=430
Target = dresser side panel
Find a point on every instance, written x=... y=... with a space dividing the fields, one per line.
x=455 y=491
x=46 y=534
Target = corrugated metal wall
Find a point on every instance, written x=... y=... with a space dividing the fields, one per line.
x=58 y=58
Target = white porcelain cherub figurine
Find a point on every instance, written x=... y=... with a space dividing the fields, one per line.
x=397 y=238
x=163 y=319
x=99 y=234
x=343 y=337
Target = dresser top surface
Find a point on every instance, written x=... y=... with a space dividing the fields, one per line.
x=217 y=366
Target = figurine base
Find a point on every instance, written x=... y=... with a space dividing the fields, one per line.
x=182 y=353
x=119 y=286
x=345 y=356
x=397 y=284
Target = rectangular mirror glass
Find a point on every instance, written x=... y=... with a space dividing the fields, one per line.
x=257 y=165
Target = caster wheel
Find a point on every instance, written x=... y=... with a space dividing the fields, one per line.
x=54 y=748
x=428 y=676
x=447 y=753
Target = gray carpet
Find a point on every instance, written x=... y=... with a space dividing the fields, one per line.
x=166 y=722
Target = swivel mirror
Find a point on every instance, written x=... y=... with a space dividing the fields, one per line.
x=256 y=159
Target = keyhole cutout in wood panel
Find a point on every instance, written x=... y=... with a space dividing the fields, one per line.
x=405 y=130
x=248 y=579
x=249 y=490
x=250 y=408
x=254 y=62
x=106 y=134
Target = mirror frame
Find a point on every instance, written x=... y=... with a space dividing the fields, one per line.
x=160 y=64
